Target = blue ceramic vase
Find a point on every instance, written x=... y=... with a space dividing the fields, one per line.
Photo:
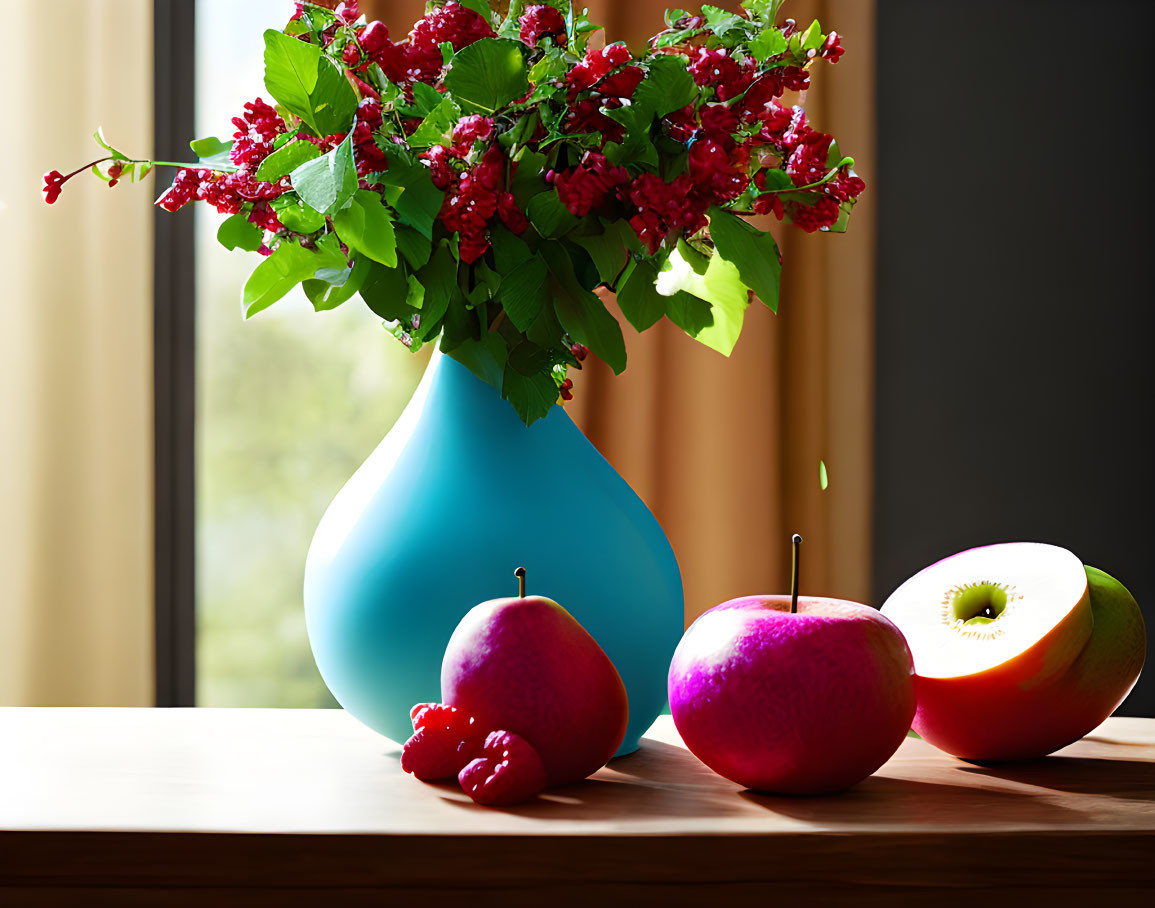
x=455 y=497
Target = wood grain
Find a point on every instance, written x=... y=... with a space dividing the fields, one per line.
x=104 y=806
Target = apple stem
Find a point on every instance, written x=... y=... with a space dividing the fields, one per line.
x=520 y=575
x=795 y=541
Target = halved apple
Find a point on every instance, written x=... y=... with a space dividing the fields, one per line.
x=1009 y=661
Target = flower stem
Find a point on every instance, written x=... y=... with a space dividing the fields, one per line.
x=520 y=575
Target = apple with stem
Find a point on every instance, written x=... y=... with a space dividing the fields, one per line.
x=792 y=695
x=525 y=665
x=1019 y=649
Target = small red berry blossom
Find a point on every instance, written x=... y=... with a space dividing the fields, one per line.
x=444 y=740
x=508 y=771
x=832 y=47
x=585 y=188
x=256 y=130
x=580 y=352
x=114 y=173
x=470 y=129
x=566 y=389
x=541 y=21
x=53 y=181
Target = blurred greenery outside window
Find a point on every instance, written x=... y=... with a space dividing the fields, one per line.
x=288 y=406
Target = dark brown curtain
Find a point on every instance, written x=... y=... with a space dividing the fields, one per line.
x=726 y=451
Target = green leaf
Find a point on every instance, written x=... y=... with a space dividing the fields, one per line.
x=812 y=38
x=823 y=479
x=280 y=272
x=325 y=295
x=719 y=285
x=689 y=313
x=639 y=299
x=439 y=278
x=524 y=291
x=533 y=396
x=436 y=126
x=385 y=291
x=237 y=232
x=609 y=249
x=420 y=201
x=367 y=226
x=528 y=179
x=485 y=358
x=425 y=99
x=481 y=7
x=488 y=74
x=306 y=83
x=667 y=87
x=548 y=214
x=286 y=159
x=296 y=215
x=766 y=44
x=204 y=148
x=721 y=21
x=326 y=183
x=509 y=250
x=581 y=313
x=752 y=251
x=777 y=179
x=414 y=246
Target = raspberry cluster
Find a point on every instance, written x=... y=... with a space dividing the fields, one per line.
x=496 y=768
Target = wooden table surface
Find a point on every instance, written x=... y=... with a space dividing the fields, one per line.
x=148 y=806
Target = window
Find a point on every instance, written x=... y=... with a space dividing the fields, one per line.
x=288 y=405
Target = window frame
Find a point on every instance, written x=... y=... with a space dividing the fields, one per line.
x=174 y=367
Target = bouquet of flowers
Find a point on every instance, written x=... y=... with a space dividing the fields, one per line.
x=479 y=180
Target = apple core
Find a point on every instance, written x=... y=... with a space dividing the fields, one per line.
x=978 y=603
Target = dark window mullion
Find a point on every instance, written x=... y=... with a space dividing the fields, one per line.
x=174 y=334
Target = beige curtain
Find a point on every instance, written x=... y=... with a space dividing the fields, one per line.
x=75 y=361
x=726 y=452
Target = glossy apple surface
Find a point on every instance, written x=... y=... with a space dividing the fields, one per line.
x=527 y=666
x=802 y=703
x=1038 y=701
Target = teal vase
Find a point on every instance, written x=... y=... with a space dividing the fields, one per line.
x=457 y=495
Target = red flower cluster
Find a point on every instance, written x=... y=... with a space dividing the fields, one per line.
x=256 y=130
x=588 y=186
x=605 y=91
x=457 y=24
x=473 y=197
x=541 y=21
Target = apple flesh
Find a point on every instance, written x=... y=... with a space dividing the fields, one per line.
x=527 y=666
x=793 y=703
x=1052 y=650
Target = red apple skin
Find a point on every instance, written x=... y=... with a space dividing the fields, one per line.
x=804 y=703
x=527 y=666
x=987 y=721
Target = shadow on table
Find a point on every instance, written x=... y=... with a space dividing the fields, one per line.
x=654 y=782
x=1132 y=780
x=881 y=800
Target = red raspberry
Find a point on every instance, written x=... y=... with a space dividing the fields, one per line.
x=444 y=740
x=508 y=771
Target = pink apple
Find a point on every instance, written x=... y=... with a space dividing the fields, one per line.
x=527 y=666
x=793 y=703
